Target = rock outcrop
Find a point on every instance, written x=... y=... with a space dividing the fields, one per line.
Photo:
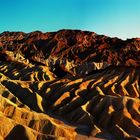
x=69 y=84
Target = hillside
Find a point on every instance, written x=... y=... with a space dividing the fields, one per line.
x=69 y=84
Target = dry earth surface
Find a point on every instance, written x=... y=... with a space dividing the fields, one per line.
x=69 y=85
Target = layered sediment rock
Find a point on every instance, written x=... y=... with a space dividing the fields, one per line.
x=69 y=84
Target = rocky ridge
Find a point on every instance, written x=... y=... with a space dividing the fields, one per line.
x=69 y=84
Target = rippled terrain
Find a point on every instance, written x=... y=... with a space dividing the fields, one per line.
x=69 y=85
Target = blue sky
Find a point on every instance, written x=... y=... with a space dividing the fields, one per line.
x=119 y=18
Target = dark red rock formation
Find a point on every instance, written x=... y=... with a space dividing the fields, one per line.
x=76 y=45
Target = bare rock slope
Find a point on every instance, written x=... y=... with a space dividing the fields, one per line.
x=69 y=84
